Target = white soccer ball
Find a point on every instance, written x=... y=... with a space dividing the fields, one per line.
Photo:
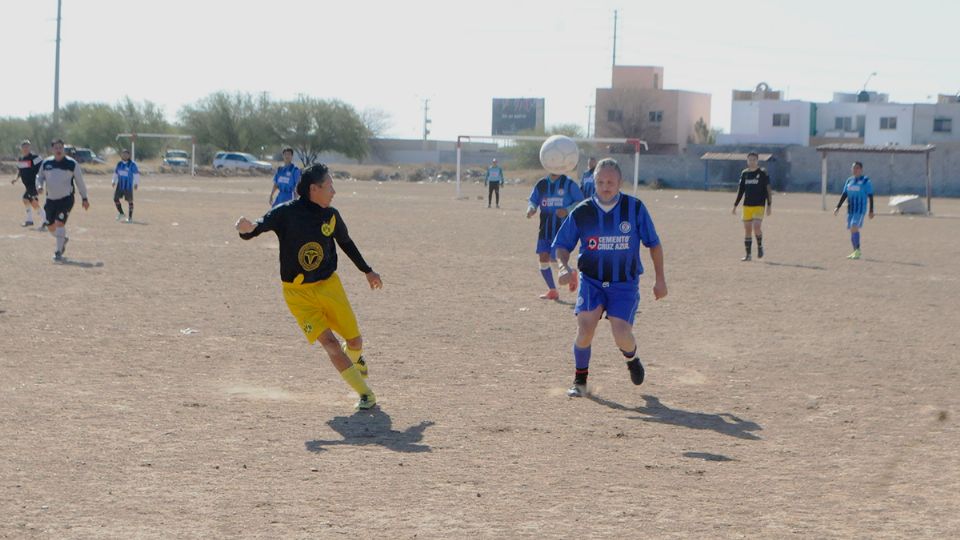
x=559 y=154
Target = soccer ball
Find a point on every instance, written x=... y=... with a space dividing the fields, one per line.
x=559 y=154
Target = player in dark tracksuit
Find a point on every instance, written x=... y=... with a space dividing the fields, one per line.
x=28 y=165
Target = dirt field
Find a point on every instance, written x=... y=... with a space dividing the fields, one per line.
x=157 y=387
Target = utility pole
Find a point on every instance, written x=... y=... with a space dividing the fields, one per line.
x=614 y=37
x=56 y=76
x=589 y=118
x=426 y=118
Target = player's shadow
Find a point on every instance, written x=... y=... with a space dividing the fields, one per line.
x=373 y=427
x=903 y=263
x=135 y=222
x=806 y=266
x=655 y=411
x=80 y=264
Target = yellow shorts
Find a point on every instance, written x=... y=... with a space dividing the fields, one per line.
x=751 y=213
x=320 y=306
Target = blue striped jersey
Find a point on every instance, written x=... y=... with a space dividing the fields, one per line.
x=549 y=196
x=609 y=240
x=286 y=178
x=126 y=175
x=587 y=185
x=858 y=190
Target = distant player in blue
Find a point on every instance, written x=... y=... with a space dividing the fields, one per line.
x=857 y=192
x=493 y=180
x=610 y=227
x=285 y=180
x=586 y=180
x=126 y=178
x=555 y=196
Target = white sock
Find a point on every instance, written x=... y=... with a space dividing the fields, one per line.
x=29 y=214
x=61 y=237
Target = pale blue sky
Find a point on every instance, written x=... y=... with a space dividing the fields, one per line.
x=391 y=55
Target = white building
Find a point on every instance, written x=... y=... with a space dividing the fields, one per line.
x=762 y=117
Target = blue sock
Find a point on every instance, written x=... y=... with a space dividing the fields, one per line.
x=855 y=239
x=581 y=357
x=548 y=277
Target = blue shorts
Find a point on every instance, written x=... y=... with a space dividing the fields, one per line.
x=619 y=299
x=282 y=197
x=543 y=246
x=855 y=220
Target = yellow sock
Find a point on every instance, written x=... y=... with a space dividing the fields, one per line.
x=353 y=355
x=355 y=380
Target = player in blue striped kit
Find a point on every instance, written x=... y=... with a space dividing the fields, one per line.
x=285 y=180
x=610 y=228
x=858 y=191
x=126 y=178
x=586 y=180
x=555 y=196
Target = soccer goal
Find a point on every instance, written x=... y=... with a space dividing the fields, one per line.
x=474 y=149
x=133 y=145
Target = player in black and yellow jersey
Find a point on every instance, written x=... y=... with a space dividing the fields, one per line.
x=307 y=229
x=755 y=185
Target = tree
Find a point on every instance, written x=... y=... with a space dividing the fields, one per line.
x=144 y=117
x=312 y=126
x=238 y=122
x=91 y=125
x=703 y=134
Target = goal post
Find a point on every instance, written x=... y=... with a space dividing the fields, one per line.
x=506 y=140
x=133 y=145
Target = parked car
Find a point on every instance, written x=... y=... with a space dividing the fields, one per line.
x=240 y=160
x=176 y=158
x=86 y=155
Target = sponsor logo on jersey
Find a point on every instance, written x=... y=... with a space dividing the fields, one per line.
x=310 y=256
x=551 y=201
x=608 y=243
x=328 y=227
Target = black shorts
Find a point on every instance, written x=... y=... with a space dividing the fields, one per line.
x=125 y=194
x=59 y=209
x=30 y=193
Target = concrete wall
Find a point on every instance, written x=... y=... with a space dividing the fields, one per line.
x=753 y=123
x=649 y=77
x=924 y=114
x=903 y=135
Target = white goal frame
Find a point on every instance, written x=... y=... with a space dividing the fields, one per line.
x=133 y=145
x=636 y=143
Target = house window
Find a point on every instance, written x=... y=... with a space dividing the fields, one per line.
x=943 y=125
x=781 y=120
x=888 y=122
x=656 y=116
x=843 y=123
x=614 y=115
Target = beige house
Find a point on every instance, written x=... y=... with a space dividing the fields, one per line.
x=638 y=106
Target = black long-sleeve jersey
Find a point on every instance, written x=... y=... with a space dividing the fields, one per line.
x=307 y=232
x=754 y=184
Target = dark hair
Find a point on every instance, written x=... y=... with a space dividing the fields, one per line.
x=314 y=174
x=285 y=150
x=754 y=154
x=125 y=151
x=858 y=164
x=55 y=141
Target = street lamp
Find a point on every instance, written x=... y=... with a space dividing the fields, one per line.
x=872 y=75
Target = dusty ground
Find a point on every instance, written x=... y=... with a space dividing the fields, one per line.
x=157 y=387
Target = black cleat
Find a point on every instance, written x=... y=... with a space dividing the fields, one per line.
x=759 y=252
x=636 y=371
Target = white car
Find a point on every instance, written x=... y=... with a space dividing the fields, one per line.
x=240 y=160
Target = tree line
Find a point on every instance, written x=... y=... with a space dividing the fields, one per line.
x=243 y=122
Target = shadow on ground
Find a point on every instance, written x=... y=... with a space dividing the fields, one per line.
x=374 y=427
x=655 y=411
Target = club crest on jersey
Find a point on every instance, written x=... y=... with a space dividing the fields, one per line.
x=625 y=227
x=310 y=256
x=328 y=227
x=560 y=191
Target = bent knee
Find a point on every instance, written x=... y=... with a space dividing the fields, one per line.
x=355 y=343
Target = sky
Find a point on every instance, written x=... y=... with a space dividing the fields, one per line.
x=389 y=55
